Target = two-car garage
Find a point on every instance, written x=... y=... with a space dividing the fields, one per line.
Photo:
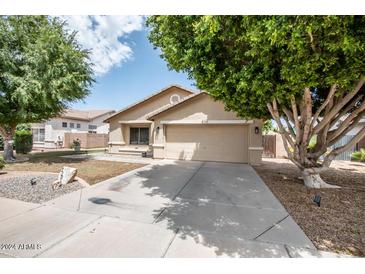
x=210 y=142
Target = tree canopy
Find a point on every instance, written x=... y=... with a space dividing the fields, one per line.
x=246 y=61
x=42 y=69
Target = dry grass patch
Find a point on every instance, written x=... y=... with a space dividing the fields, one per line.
x=338 y=225
x=92 y=171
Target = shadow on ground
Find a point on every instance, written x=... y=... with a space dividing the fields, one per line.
x=338 y=224
x=228 y=227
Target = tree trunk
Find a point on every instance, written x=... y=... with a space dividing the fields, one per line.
x=300 y=125
x=312 y=179
x=8 y=146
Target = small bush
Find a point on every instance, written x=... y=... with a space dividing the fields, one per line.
x=76 y=143
x=26 y=127
x=23 y=141
x=2 y=162
x=358 y=155
x=1 y=142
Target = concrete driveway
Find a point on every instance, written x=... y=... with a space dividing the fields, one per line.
x=168 y=209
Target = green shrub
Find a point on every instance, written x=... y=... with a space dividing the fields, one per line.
x=26 y=127
x=358 y=155
x=1 y=142
x=2 y=162
x=23 y=141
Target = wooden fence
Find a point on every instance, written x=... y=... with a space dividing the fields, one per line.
x=269 y=145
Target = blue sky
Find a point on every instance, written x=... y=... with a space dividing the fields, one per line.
x=134 y=77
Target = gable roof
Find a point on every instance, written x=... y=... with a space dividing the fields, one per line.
x=85 y=115
x=148 y=98
x=171 y=106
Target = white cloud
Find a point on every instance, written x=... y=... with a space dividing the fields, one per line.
x=101 y=35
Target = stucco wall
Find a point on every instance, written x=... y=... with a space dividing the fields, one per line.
x=204 y=108
x=88 y=140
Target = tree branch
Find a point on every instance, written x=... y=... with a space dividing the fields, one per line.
x=346 y=110
x=288 y=114
x=354 y=123
x=291 y=130
x=275 y=114
x=312 y=41
x=308 y=115
x=327 y=118
x=346 y=123
x=296 y=119
x=325 y=103
x=328 y=159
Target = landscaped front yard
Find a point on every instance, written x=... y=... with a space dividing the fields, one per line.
x=92 y=171
x=339 y=223
x=32 y=181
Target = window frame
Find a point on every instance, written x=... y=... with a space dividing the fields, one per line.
x=64 y=124
x=37 y=136
x=138 y=141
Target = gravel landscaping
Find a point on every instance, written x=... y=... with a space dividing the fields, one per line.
x=338 y=225
x=19 y=187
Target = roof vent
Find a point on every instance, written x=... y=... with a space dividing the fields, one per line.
x=175 y=98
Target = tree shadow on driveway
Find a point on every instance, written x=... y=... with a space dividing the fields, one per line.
x=205 y=225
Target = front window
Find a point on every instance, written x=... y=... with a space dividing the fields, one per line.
x=139 y=136
x=64 y=124
x=38 y=134
x=72 y=125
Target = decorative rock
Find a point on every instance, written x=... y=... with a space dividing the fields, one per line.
x=33 y=182
x=18 y=187
x=66 y=176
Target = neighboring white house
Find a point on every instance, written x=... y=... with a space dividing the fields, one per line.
x=50 y=134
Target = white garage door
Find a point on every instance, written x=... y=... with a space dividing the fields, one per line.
x=222 y=143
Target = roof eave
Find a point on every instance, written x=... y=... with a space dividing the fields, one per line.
x=176 y=105
x=147 y=98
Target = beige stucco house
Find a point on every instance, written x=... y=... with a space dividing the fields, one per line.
x=177 y=123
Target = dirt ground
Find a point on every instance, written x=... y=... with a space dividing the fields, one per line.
x=338 y=225
x=92 y=171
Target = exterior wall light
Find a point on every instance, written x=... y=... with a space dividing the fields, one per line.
x=157 y=129
x=257 y=130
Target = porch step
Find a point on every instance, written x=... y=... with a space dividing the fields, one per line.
x=133 y=153
x=132 y=150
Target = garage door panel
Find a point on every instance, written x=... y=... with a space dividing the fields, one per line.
x=226 y=143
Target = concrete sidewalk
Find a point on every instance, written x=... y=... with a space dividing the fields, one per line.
x=168 y=209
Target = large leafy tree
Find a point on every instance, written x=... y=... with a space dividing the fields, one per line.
x=42 y=70
x=306 y=72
